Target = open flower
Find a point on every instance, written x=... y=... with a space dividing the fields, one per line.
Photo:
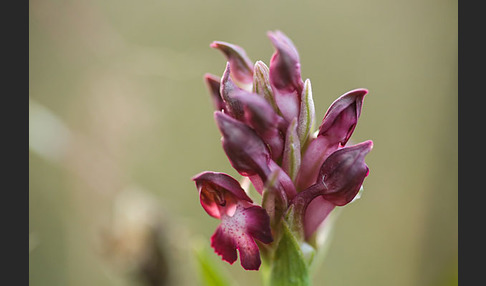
x=241 y=221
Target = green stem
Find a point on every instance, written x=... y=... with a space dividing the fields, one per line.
x=288 y=266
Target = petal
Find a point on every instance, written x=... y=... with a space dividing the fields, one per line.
x=213 y=84
x=246 y=151
x=284 y=180
x=317 y=210
x=241 y=65
x=315 y=154
x=249 y=253
x=240 y=230
x=285 y=75
x=343 y=173
x=219 y=193
x=257 y=182
x=342 y=116
x=336 y=128
x=224 y=245
x=260 y=115
x=228 y=90
x=258 y=224
x=285 y=64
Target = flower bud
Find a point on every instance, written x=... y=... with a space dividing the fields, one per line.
x=343 y=173
x=285 y=75
x=259 y=115
x=307 y=113
x=241 y=65
x=341 y=117
x=336 y=128
x=261 y=84
x=247 y=153
x=228 y=90
x=214 y=86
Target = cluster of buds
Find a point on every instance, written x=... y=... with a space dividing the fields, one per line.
x=266 y=117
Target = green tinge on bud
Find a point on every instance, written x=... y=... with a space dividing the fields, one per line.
x=307 y=114
x=261 y=84
x=274 y=199
x=291 y=154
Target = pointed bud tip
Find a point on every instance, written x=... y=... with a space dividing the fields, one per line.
x=217 y=115
x=215 y=44
x=366 y=145
x=274 y=34
x=224 y=121
x=211 y=79
x=359 y=92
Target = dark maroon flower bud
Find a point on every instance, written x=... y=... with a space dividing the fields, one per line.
x=343 y=173
x=336 y=129
x=259 y=115
x=213 y=84
x=285 y=76
x=228 y=90
x=246 y=151
x=339 y=181
x=341 y=117
x=241 y=65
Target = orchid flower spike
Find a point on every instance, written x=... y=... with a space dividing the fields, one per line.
x=266 y=118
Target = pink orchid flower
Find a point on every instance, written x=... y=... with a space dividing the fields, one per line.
x=241 y=221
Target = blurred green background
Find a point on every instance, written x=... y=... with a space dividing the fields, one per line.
x=120 y=120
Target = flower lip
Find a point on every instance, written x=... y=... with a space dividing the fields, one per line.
x=239 y=232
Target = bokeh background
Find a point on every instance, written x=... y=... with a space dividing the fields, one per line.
x=120 y=120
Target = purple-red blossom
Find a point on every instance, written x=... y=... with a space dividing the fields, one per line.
x=228 y=91
x=214 y=86
x=249 y=154
x=334 y=132
x=266 y=118
x=343 y=173
x=285 y=76
x=240 y=63
x=339 y=180
x=246 y=151
x=241 y=221
x=259 y=115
